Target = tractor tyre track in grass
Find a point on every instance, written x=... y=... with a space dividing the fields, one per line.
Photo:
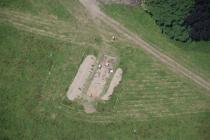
x=53 y=28
x=96 y=13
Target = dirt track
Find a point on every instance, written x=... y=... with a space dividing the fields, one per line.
x=91 y=6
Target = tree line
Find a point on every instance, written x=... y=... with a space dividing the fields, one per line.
x=181 y=20
x=199 y=20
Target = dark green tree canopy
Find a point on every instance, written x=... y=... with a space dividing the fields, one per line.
x=181 y=20
x=199 y=20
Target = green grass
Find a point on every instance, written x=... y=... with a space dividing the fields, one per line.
x=194 y=55
x=151 y=102
x=28 y=93
x=34 y=106
x=38 y=7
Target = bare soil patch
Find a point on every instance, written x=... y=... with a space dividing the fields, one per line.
x=91 y=79
x=115 y=81
x=103 y=73
x=78 y=84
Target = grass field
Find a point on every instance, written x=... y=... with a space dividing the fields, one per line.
x=39 y=7
x=194 y=55
x=150 y=103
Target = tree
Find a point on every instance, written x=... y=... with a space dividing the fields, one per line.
x=199 y=20
x=170 y=16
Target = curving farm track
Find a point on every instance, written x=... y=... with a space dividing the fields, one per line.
x=91 y=6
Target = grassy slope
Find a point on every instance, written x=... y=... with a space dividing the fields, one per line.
x=33 y=104
x=195 y=55
x=32 y=101
x=38 y=7
x=28 y=93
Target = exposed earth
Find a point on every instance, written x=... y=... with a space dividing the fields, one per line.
x=89 y=84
